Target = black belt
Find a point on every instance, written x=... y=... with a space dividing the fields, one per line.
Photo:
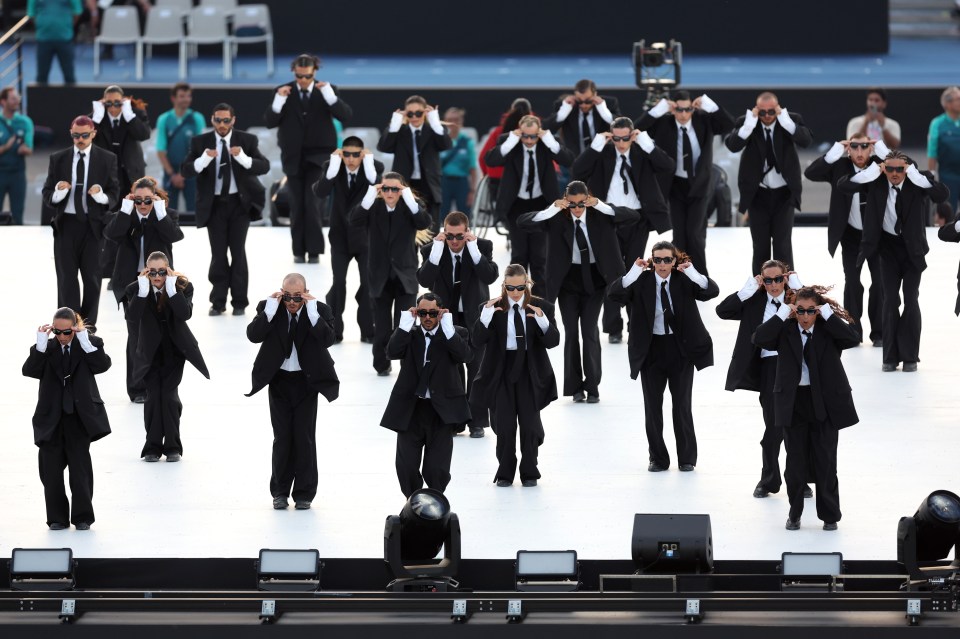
x=225 y=198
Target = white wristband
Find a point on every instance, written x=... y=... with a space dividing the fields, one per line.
x=126 y=206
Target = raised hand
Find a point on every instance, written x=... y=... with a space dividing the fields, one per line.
x=440 y=237
x=46 y=328
x=61 y=185
x=94 y=189
x=211 y=152
x=561 y=203
x=591 y=201
x=684 y=266
x=642 y=263
x=697 y=102
x=235 y=151
x=536 y=311
x=469 y=236
x=284 y=91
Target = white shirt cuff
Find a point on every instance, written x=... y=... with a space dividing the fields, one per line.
x=334 y=167
x=330 y=98
x=660 y=109
x=312 y=313
x=546 y=213
x=485 y=315
x=645 y=142
x=834 y=154
x=100 y=197
x=270 y=308
x=794 y=282
x=369 y=169
x=604 y=112
x=126 y=206
x=144 y=285
x=278 y=102
x=433 y=119
x=826 y=311
x=542 y=321
x=957 y=226
x=59 y=195
x=750 y=287
x=171 y=285
x=604 y=208
x=243 y=159
x=42 y=341
x=159 y=208
x=869 y=174
x=787 y=122
x=708 y=104
x=880 y=149
x=474 y=247
x=696 y=276
x=632 y=275
x=598 y=142
x=749 y=124
x=784 y=312
x=84 y=338
x=409 y=200
x=396 y=121
x=406 y=321
x=509 y=143
x=369 y=198
x=446 y=324
x=565 y=109
x=127 y=110
x=550 y=141
x=202 y=162
x=98 y=111
x=918 y=178
x=436 y=251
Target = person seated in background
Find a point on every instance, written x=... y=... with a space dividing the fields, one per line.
x=874 y=124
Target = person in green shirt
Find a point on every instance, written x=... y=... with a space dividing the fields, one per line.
x=175 y=129
x=16 y=142
x=54 y=20
x=458 y=166
x=943 y=144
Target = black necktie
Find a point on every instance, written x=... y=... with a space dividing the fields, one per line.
x=584 y=249
x=687 y=153
x=806 y=349
x=79 y=191
x=776 y=304
x=291 y=335
x=624 y=174
x=455 y=301
x=351 y=180
x=305 y=97
x=67 y=397
x=423 y=385
x=898 y=209
x=116 y=125
x=224 y=168
x=770 y=155
x=667 y=309
x=518 y=326
x=585 y=134
x=416 y=142
x=531 y=173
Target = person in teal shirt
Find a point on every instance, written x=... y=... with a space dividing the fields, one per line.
x=54 y=21
x=175 y=129
x=943 y=144
x=16 y=142
x=458 y=166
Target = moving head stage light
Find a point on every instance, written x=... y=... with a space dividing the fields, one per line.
x=413 y=539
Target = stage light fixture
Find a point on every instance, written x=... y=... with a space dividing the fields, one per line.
x=42 y=569
x=676 y=544
x=547 y=571
x=289 y=570
x=413 y=539
x=810 y=571
x=657 y=68
x=929 y=536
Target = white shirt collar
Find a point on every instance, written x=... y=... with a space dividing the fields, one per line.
x=778 y=298
x=661 y=280
x=415 y=128
x=809 y=330
x=86 y=151
x=432 y=332
x=225 y=138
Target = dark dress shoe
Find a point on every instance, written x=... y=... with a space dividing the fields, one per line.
x=888 y=368
x=313 y=259
x=654 y=467
x=503 y=483
x=279 y=503
x=302 y=505
x=593 y=399
x=615 y=338
x=82 y=526
x=139 y=399
x=385 y=372
x=793 y=524
x=579 y=397
x=366 y=339
x=214 y=311
x=878 y=343
x=476 y=432
x=829 y=525
x=151 y=458
x=760 y=493
x=909 y=367
x=687 y=468
x=57 y=526
x=337 y=339
x=298 y=259
x=239 y=311
x=529 y=483
x=173 y=457
x=807 y=492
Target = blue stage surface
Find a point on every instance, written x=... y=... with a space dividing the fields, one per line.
x=910 y=63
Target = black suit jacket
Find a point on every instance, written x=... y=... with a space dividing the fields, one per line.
x=102 y=170
x=447 y=393
x=474 y=278
x=391 y=243
x=248 y=184
x=569 y=129
x=601 y=234
x=744 y=371
x=48 y=368
x=948 y=233
x=840 y=201
x=513 y=171
x=705 y=125
x=916 y=206
x=352 y=238
x=692 y=336
x=493 y=340
x=306 y=135
x=312 y=343
x=126 y=229
x=177 y=310
x=754 y=152
x=596 y=169
x=400 y=144
x=832 y=395
x=125 y=144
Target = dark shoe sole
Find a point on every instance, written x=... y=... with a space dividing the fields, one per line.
x=792 y=525
x=830 y=525
x=503 y=483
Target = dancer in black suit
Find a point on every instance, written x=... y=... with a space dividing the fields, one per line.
x=69 y=414
x=769 y=178
x=812 y=397
x=294 y=331
x=753 y=368
x=667 y=340
x=581 y=116
x=950 y=232
x=898 y=198
x=303 y=112
x=516 y=378
x=81 y=187
x=160 y=302
x=458 y=266
x=226 y=163
x=429 y=398
x=416 y=149
x=347 y=175
x=621 y=164
x=529 y=183
x=391 y=216
x=153 y=228
x=686 y=134
x=845 y=226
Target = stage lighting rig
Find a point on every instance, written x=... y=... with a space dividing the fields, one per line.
x=929 y=536
x=413 y=539
x=657 y=68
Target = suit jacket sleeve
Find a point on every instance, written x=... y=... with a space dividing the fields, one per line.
x=487 y=270
x=767 y=334
x=846 y=185
x=196 y=150
x=661 y=162
x=704 y=294
x=36 y=360
x=359 y=216
x=118 y=226
x=182 y=303
x=169 y=227
x=624 y=215
x=820 y=171
x=399 y=341
x=948 y=232
x=98 y=361
x=720 y=121
x=733 y=141
x=135 y=303
x=323 y=186
x=551 y=338
x=731 y=308
x=442 y=142
x=526 y=222
x=139 y=127
x=585 y=164
x=617 y=293
x=481 y=334
x=260 y=165
x=112 y=188
x=428 y=272
x=388 y=141
x=259 y=328
x=938 y=191
x=323 y=329
x=494 y=157
x=50 y=184
x=563 y=157
x=802 y=136
x=844 y=335
x=459 y=345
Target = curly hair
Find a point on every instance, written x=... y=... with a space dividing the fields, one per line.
x=147 y=182
x=679 y=256
x=818 y=293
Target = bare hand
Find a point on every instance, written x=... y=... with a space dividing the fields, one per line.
x=793 y=309
x=174 y=274
x=536 y=311
x=684 y=266
x=469 y=236
x=211 y=152
x=277 y=295
x=561 y=203
x=61 y=185
x=642 y=263
x=516 y=132
x=541 y=133
x=284 y=91
x=597 y=99
x=412 y=310
x=697 y=102
x=94 y=189
x=320 y=84
x=440 y=237
x=23 y=149
x=46 y=328
x=779 y=110
x=569 y=100
x=129 y=196
x=144 y=272
x=591 y=201
x=365 y=153
x=307 y=296
x=607 y=135
x=339 y=153
x=235 y=151
x=672 y=106
x=634 y=135
x=429 y=108
x=492 y=302
x=378 y=187
x=758 y=279
x=177 y=180
x=755 y=111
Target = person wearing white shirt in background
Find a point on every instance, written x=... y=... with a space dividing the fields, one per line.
x=874 y=124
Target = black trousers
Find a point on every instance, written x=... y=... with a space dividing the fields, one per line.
x=162 y=410
x=811 y=443
x=392 y=301
x=133 y=335
x=580 y=313
x=529 y=250
x=433 y=206
x=68 y=447
x=515 y=407
x=633 y=244
x=75 y=249
x=479 y=412
x=771 y=222
x=853 y=287
x=340 y=257
x=227 y=230
x=665 y=365
x=427 y=437
x=772 y=434
x=306 y=223
x=901 y=330
x=688 y=216
x=293 y=414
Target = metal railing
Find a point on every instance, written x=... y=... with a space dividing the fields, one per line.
x=11 y=58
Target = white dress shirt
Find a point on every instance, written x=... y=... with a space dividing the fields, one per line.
x=804 y=370
x=615 y=194
x=694 y=148
x=537 y=191
x=890 y=212
x=487 y=314
x=272 y=305
x=660 y=327
x=576 y=249
x=59 y=194
x=773 y=178
x=769 y=311
x=415 y=173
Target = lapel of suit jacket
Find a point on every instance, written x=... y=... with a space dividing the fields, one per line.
x=648 y=293
x=418 y=344
x=678 y=299
x=793 y=337
x=74 y=354
x=446 y=268
x=302 y=107
x=381 y=218
x=303 y=327
x=567 y=232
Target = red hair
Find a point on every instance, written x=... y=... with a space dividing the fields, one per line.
x=82 y=120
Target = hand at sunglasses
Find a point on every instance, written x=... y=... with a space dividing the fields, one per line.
x=697 y=102
x=46 y=328
x=642 y=263
x=284 y=91
x=591 y=201
x=320 y=84
x=93 y=190
x=537 y=311
x=684 y=266
x=492 y=303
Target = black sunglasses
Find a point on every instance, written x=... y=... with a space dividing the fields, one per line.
x=529 y=136
x=688 y=109
x=808 y=311
x=663 y=260
x=587 y=101
x=142 y=200
x=414 y=114
x=620 y=138
x=577 y=205
x=515 y=287
x=115 y=103
x=763 y=112
x=77 y=136
x=303 y=76
x=66 y=331
x=157 y=272
x=895 y=169
x=292 y=298
x=223 y=120
x=424 y=313
x=458 y=237
x=390 y=189
x=860 y=145
x=770 y=280
x=352 y=154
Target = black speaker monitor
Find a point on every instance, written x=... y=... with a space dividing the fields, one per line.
x=672 y=543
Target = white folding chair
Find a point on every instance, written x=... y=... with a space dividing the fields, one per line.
x=164 y=26
x=183 y=6
x=121 y=25
x=206 y=25
x=256 y=18
x=226 y=5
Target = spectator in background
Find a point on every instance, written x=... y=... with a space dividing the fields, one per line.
x=16 y=142
x=943 y=143
x=175 y=129
x=458 y=166
x=54 y=22
x=874 y=123
x=508 y=122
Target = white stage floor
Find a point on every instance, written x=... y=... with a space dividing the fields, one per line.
x=216 y=503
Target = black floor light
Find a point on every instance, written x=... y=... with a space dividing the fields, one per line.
x=413 y=539
x=930 y=535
